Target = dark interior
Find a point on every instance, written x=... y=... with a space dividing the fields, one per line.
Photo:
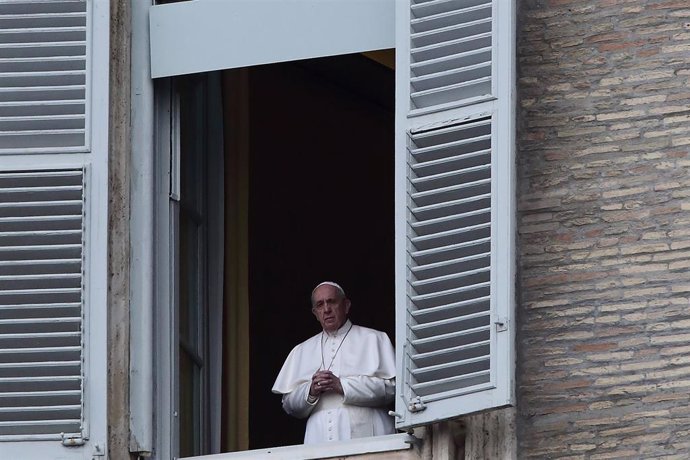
x=321 y=208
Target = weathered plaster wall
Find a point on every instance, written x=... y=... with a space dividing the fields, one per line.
x=118 y=233
x=490 y=435
x=604 y=229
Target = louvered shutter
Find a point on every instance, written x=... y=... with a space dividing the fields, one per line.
x=455 y=207
x=41 y=240
x=53 y=227
x=43 y=76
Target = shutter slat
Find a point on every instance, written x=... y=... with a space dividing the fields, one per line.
x=450 y=222
x=446 y=160
x=448 y=233
x=37 y=394
x=35 y=423
x=5 y=119
x=52 y=222
x=420 y=285
x=445 y=263
x=441 y=206
x=39 y=351
x=433 y=295
x=40 y=233
x=452 y=188
x=19 y=321
x=50 y=378
x=49 y=107
x=44 y=132
x=70 y=203
x=39 y=335
x=47 y=305
x=39 y=364
x=43 y=176
x=431 y=372
x=442 y=311
x=32 y=409
x=6 y=77
x=40 y=247
x=34 y=16
x=42 y=29
x=40 y=291
x=434 y=325
x=43 y=189
x=466 y=381
x=441 y=356
x=449 y=336
x=418 y=152
x=439 y=251
x=438 y=95
x=421 y=182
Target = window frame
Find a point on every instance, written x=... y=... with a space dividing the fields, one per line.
x=503 y=267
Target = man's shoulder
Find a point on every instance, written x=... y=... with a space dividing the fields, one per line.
x=363 y=330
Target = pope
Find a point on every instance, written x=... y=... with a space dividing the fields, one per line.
x=342 y=378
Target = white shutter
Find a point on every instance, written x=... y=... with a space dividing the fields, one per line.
x=43 y=84
x=41 y=240
x=53 y=227
x=455 y=207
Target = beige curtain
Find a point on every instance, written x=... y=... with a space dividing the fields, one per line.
x=235 y=405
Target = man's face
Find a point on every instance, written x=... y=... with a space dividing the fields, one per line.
x=330 y=308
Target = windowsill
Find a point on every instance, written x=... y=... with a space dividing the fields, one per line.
x=392 y=442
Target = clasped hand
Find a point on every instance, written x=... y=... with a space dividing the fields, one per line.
x=323 y=382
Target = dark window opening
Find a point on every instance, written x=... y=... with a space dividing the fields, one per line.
x=318 y=187
x=320 y=208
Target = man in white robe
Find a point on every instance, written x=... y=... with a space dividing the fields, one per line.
x=342 y=378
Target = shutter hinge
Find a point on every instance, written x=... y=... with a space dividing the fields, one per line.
x=97 y=452
x=72 y=440
x=501 y=324
x=416 y=405
x=413 y=440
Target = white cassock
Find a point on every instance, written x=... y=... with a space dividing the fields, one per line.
x=364 y=360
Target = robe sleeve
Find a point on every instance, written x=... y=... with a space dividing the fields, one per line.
x=299 y=366
x=295 y=403
x=362 y=390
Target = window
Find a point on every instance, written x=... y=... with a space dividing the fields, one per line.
x=345 y=216
x=53 y=228
x=453 y=201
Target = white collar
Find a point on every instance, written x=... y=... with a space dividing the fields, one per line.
x=343 y=329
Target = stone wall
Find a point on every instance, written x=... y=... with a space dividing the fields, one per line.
x=604 y=229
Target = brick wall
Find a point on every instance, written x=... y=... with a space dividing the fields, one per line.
x=604 y=229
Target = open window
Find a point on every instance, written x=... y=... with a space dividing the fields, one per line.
x=285 y=179
x=431 y=239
